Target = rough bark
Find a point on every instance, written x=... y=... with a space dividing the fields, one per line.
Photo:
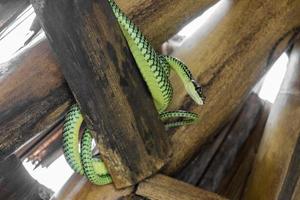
x=275 y=174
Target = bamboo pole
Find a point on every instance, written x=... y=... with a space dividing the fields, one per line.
x=276 y=174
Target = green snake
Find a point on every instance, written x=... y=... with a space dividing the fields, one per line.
x=155 y=70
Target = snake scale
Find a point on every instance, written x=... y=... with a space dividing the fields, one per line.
x=155 y=70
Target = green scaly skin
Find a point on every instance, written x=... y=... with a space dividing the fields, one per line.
x=155 y=70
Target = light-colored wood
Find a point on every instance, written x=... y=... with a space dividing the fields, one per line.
x=277 y=166
x=228 y=62
x=161 y=187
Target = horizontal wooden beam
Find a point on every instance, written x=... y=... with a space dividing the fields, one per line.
x=163 y=187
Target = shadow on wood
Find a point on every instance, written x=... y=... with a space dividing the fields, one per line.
x=275 y=174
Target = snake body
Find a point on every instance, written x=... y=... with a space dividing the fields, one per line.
x=155 y=70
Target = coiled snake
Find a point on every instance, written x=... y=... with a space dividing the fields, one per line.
x=155 y=70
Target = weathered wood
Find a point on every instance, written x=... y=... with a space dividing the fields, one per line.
x=228 y=62
x=276 y=170
x=195 y=169
x=33 y=97
x=217 y=158
x=163 y=187
x=105 y=80
x=16 y=183
x=228 y=151
x=44 y=84
x=233 y=183
x=78 y=188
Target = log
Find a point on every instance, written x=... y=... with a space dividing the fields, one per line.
x=263 y=29
x=107 y=85
x=275 y=174
x=33 y=97
x=16 y=183
x=46 y=90
x=228 y=62
x=163 y=187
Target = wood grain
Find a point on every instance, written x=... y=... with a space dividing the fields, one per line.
x=35 y=70
x=163 y=187
x=228 y=62
x=105 y=80
x=276 y=174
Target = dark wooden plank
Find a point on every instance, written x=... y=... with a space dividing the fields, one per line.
x=162 y=187
x=233 y=183
x=228 y=151
x=107 y=85
x=194 y=170
x=276 y=172
x=16 y=183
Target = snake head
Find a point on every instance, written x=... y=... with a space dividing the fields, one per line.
x=196 y=92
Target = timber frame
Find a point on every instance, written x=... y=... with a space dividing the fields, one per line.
x=226 y=154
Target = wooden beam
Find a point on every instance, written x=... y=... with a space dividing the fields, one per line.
x=163 y=187
x=106 y=83
x=228 y=62
x=16 y=183
x=25 y=114
x=217 y=157
x=33 y=97
x=276 y=174
x=233 y=183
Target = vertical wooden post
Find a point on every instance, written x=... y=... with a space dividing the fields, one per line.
x=106 y=83
x=276 y=172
